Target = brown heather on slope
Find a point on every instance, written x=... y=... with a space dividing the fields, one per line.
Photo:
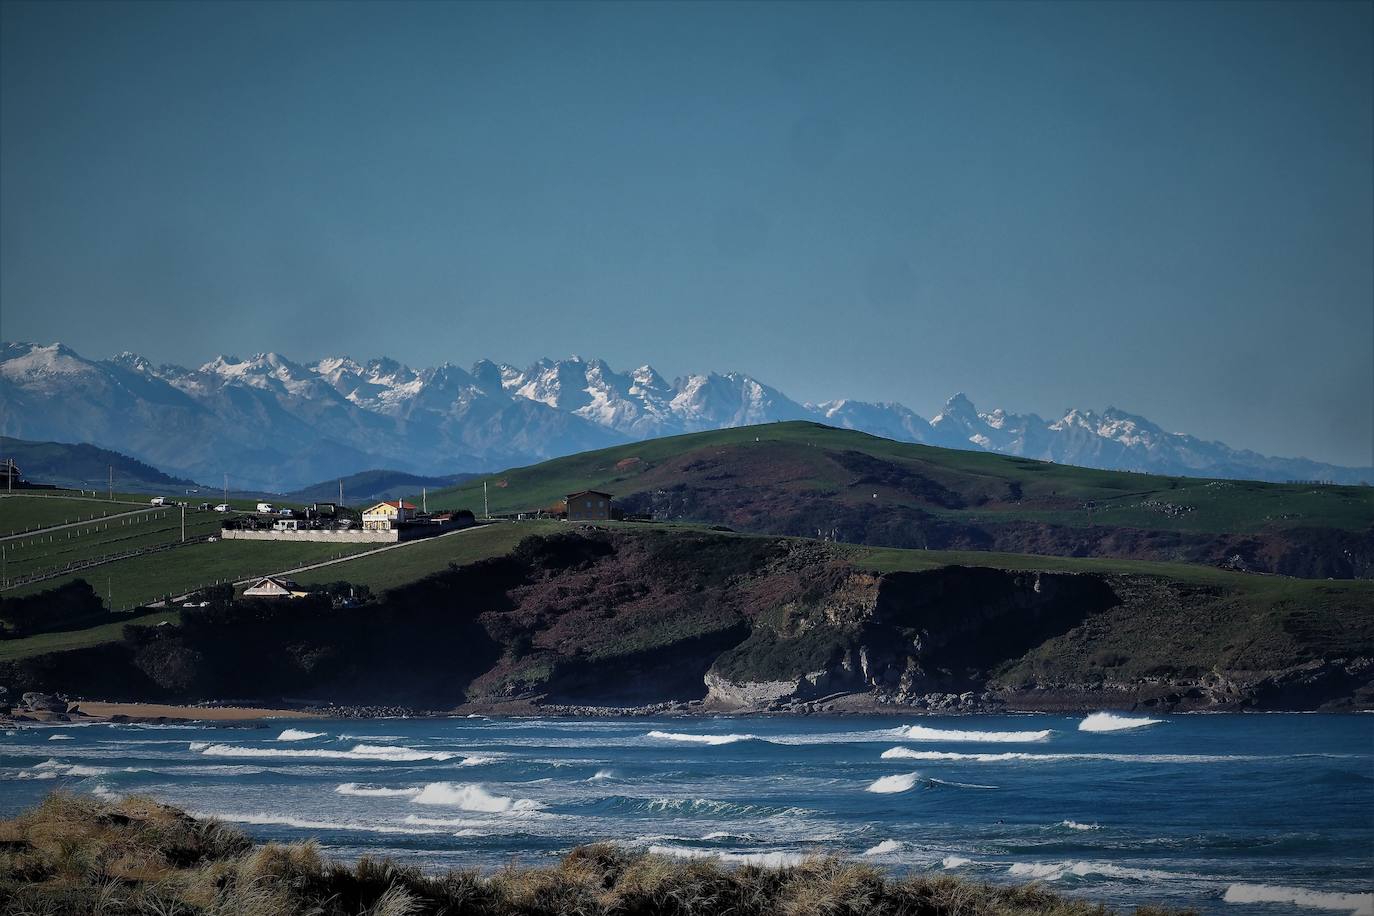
x=806 y=479
x=76 y=855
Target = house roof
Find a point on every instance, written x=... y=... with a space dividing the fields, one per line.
x=587 y=493
x=395 y=504
x=271 y=585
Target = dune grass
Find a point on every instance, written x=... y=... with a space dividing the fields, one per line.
x=75 y=854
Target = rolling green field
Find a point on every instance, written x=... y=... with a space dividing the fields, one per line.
x=53 y=551
x=26 y=512
x=11 y=649
x=418 y=559
x=797 y=457
x=138 y=580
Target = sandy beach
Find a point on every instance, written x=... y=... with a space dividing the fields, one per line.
x=207 y=713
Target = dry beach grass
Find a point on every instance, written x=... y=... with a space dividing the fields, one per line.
x=75 y=854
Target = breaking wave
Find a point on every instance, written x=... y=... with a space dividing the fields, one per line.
x=1053 y=871
x=956 y=785
x=888 y=785
x=295 y=734
x=59 y=737
x=1111 y=722
x=1075 y=825
x=886 y=847
x=375 y=752
x=906 y=753
x=1356 y=904
x=923 y=733
x=699 y=739
x=471 y=797
x=366 y=791
x=765 y=859
x=692 y=807
x=952 y=862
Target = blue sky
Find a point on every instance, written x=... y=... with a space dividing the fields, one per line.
x=1165 y=207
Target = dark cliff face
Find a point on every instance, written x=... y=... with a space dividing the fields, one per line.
x=631 y=617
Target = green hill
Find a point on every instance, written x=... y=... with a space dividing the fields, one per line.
x=375 y=485
x=802 y=478
x=85 y=466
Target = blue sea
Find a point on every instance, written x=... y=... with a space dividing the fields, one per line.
x=1235 y=814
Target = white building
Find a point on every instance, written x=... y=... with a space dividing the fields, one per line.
x=274 y=587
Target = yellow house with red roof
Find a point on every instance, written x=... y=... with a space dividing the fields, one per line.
x=387 y=515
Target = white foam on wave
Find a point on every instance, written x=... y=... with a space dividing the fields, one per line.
x=52 y=768
x=59 y=737
x=906 y=753
x=900 y=782
x=952 y=862
x=886 y=847
x=1053 y=871
x=469 y=796
x=1075 y=825
x=1111 y=722
x=365 y=791
x=601 y=775
x=923 y=733
x=1356 y=904
x=764 y=859
x=375 y=752
x=295 y=734
x=698 y=739
x=477 y=761
x=957 y=785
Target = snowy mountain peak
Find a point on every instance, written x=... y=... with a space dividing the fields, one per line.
x=300 y=423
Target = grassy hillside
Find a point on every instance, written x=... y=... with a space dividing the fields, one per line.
x=802 y=457
x=805 y=479
x=83 y=465
x=374 y=486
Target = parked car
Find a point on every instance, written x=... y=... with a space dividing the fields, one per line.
x=203 y=507
x=222 y=507
x=264 y=507
x=158 y=501
x=286 y=512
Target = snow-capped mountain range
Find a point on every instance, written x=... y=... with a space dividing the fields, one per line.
x=274 y=424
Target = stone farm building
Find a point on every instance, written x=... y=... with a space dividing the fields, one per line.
x=394 y=520
x=589 y=506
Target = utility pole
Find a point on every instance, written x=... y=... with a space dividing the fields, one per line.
x=340 y=492
x=111 y=483
x=226 y=489
x=183 y=523
x=424 y=500
x=486 y=507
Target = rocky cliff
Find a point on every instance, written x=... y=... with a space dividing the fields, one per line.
x=655 y=616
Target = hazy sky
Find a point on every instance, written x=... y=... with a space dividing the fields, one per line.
x=1165 y=207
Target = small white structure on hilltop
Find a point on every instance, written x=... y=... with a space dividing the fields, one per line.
x=388 y=515
x=274 y=587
